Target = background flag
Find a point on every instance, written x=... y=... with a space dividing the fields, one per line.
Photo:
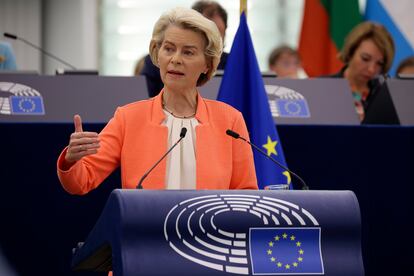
x=242 y=87
x=324 y=27
x=398 y=18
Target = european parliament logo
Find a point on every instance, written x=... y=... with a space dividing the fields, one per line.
x=19 y=99
x=246 y=235
x=287 y=103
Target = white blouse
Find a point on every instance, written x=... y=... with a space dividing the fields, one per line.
x=181 y=162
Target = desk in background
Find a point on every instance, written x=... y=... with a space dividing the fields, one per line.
x=31 y=98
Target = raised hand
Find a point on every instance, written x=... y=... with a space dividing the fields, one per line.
x=81 y=143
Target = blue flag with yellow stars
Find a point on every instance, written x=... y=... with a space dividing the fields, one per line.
x=286 y=251
x=242 y=87
x=27 y=105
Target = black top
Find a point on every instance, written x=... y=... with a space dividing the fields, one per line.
x=378 y=106
x=152 y=74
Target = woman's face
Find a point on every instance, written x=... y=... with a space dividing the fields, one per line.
x=366 y=63
x=181 y=58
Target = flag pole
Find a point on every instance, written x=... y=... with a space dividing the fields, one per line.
x=243 y=7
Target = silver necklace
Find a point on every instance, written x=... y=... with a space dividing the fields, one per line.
x=176 y=116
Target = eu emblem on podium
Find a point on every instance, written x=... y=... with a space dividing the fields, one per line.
x=284 y=251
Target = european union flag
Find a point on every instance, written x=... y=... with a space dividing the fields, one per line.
x=293 y=108
x=25 y=105
x=242 y=87
x=286 y=251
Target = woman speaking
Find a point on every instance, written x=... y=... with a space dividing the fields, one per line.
x=187 y=48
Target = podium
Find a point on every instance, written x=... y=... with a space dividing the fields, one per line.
x=143 y=232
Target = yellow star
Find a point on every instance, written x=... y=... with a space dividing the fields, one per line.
x=277 y=238
x=270 y=146
x=288 y=178
x=279 y=264
x=295 y=264
x=298 y=244
x=273 y=259
x=287 y=266
x=292 y=238
x=300 y=259
x=269 y=252
x=271 y=244
x=301 y=252
x=284 y=235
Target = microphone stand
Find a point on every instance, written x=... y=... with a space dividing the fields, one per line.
x=237 y=136
x=182 y=135
x=40 y=49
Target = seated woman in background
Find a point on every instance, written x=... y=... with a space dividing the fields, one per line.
x=406 y=67
x=186 y=47
x=285 y=62
x=368 y=52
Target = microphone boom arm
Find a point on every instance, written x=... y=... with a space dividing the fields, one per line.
x=182 y=135
x=12 y=36
x=47 y=53
x=237 y=136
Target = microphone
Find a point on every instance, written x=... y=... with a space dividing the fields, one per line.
x=182 y=135
x=235 y=135
x=12 y=36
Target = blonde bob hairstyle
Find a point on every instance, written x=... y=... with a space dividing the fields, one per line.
x=189 y=19
x=369 y=31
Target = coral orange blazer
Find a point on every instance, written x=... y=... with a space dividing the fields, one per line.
x=135 y=139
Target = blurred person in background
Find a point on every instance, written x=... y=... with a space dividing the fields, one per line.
x=7 y=58
x=406 y=67
x=139 y=65
x=284 y=61
x=368 y=53
x=210 y=9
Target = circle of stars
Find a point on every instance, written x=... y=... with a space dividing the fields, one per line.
x=279 y=263
x=27 y=105
x=293 y=108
